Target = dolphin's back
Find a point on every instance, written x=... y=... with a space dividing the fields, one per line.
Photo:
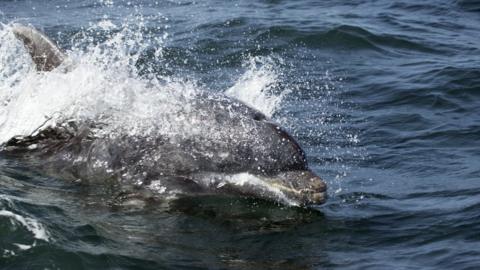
x=45 y=53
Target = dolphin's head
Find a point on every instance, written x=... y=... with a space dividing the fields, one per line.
x=287 y=169
x=257 y=157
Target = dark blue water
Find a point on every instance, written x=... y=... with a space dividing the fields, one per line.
x=384 y=96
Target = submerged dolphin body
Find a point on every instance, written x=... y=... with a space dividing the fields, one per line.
x=235 y=149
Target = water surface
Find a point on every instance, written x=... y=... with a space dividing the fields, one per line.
x=383 y=96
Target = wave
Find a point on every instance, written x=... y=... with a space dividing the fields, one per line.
x=345 y=37
x=18 y=224
x=469 y=5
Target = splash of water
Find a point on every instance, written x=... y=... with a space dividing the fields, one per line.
x=256 y=86
x=103 y=85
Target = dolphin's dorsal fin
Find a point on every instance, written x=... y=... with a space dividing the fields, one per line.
x=45 y=53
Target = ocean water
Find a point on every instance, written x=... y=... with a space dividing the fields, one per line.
x=384 y=97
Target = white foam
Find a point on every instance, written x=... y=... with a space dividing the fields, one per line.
x=102 y=83
x=8 y=253
x=106 y=25
x=32 y=225
x=25 y=247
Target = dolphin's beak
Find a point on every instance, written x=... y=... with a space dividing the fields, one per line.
x=303 y=187
x=300 y=188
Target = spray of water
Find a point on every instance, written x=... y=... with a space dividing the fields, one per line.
x=103 y=85
x=255 y=87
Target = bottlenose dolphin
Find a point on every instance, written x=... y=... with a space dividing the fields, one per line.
x=244 y=152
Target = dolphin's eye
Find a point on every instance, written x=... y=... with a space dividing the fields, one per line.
x=258 y=116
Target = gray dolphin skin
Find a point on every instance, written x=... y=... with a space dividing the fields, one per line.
x=244 y=152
